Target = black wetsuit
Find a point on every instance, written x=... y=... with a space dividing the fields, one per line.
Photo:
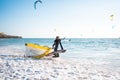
x=56 y=44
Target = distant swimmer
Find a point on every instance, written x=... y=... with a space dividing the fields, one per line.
x=69 y=40
x=66 y=40
x=36 y=3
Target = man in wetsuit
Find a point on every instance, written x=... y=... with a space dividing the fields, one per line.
x=57 y=41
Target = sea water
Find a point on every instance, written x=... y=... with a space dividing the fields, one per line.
x=97 y=50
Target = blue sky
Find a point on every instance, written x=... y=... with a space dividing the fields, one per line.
x=66 y=18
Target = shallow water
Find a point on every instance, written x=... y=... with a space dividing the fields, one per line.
x=99 y=51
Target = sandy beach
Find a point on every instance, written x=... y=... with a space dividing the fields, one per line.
x=53 y=69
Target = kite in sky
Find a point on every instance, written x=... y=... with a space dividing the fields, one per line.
x=111 y=17
x=37 y=2
x=112 y=21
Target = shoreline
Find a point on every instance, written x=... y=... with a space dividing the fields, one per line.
x=88 y=62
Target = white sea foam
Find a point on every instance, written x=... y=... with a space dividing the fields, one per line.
x=11 y=50
x=80 y=62
x=54 y=69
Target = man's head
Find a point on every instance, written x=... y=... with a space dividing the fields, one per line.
x=57 y=37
